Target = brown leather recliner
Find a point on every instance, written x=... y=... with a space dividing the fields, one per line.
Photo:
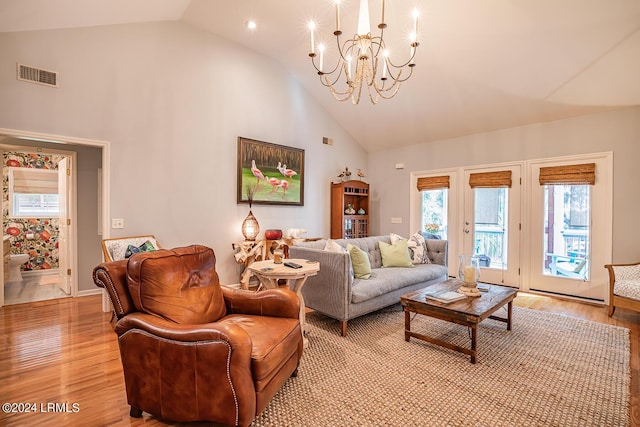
x=193 y=350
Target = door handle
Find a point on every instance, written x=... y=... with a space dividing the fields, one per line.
x=466 y=223
x=466 y=230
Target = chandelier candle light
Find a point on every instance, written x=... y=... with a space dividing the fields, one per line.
x=370 y=53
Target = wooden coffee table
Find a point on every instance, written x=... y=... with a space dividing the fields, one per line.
x=467 y=312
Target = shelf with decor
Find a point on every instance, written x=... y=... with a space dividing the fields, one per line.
x=349 y=210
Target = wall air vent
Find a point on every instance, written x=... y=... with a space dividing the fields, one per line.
x=37 y=75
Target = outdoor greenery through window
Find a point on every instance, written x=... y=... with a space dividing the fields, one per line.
x=434 y=211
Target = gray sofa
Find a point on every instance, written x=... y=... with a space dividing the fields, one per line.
x=335 y=293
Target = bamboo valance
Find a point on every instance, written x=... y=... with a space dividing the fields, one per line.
x=433 y=183
x=490 y=179
x=584 y=174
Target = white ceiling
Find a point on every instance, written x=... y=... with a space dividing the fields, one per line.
x=481 y=65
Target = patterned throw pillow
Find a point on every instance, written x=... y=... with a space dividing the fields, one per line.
x=145 y=247
x=417 y=247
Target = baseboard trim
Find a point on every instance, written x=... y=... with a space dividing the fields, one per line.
x=89 y=292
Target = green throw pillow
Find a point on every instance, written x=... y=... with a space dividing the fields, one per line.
x=360 y=262
x=145 y=247
x=396 y=255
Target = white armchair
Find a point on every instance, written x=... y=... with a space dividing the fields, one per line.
x=624 y=286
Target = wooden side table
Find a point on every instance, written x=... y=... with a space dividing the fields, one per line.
x=250 y=251
x=270 y=273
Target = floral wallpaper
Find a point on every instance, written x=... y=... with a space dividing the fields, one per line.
x=43 y=248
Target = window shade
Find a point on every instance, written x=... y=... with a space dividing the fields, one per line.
x=34 y=181
x=433 y=183
x=490 y=179
x=584 y=174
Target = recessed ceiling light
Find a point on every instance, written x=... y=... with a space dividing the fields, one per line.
x=251 y=24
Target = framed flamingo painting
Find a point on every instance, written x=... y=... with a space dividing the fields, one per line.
x=270 y=174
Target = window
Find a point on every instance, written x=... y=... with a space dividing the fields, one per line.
x=434 y=212
x=33 y=193
x=434 y=194
x=566 y=231
x=491 y=231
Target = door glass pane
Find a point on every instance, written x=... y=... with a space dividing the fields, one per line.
x=491 y=219
x=434 y=212
x=566 y=231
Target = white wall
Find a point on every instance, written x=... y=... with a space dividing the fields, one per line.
x=172 y=101
x=617 y=131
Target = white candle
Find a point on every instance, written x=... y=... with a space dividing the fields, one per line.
x=337 y=15
x=413 y=52
x=384 y=63
x=415 y=24
x=321 y=49
x=312 y=26
x=363 y=18
x=470 y=274
x=348 y=58
x=382 y=19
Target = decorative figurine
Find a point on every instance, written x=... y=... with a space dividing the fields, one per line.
x=350 y=210
x=345 y=174
x=361 y=211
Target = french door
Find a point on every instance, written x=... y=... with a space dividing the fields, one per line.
x=570 y=220
x=491 y=222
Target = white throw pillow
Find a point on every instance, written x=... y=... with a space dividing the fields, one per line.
x=333 y=246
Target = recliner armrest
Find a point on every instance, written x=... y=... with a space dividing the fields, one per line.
x=112 y=276
x=169 y=330
x=270 y=302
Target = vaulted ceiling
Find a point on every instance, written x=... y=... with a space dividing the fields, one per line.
x=481 y=65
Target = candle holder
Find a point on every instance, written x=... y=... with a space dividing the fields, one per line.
x=469 y=273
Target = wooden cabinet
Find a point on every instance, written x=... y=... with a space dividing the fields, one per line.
x=346 y=225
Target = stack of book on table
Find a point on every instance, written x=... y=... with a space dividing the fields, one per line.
x=445 y=297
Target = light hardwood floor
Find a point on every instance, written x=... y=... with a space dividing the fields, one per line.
x=65 y=351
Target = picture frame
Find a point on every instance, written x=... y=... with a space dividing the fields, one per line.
x=269 y=174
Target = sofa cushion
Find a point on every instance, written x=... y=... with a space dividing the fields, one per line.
x=145 y=247
x=360 y=262
x=385 y=280
x=395 y=255
x=180 y=285
x=333 y=246
x=628 y=288
x=417 y=247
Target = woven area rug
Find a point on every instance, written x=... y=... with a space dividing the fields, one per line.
x=550 y=370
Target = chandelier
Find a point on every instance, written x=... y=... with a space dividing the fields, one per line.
x=369 y=54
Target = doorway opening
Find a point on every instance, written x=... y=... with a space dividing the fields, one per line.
x=79 y=225
x=37 y=196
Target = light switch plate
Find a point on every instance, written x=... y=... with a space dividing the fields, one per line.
x=117 y=223
x=396 y=220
